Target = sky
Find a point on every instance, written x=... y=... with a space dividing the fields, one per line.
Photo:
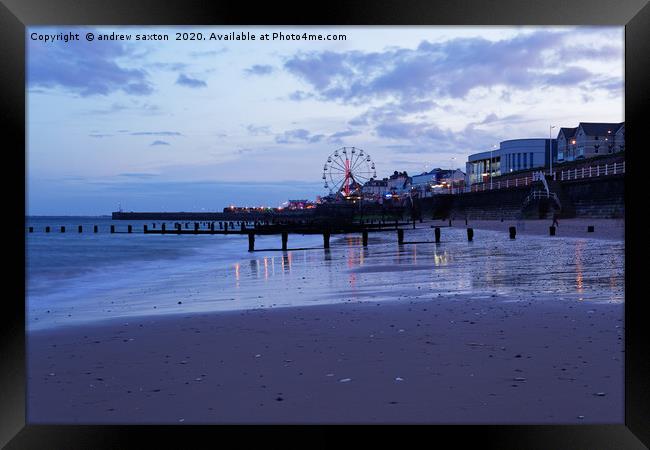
x=197 y=125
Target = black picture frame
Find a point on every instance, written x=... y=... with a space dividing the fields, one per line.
x=15 y=15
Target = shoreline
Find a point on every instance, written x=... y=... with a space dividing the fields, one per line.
x=426 y=361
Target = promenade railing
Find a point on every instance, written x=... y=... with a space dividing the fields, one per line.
x=598 y=170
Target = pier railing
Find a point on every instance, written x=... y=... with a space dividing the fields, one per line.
x=598 y=170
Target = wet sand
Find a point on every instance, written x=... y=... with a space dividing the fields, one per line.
x=613 y=229
x=434 y=361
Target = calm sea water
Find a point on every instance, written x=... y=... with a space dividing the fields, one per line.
x=80 y=277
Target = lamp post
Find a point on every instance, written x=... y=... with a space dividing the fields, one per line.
x=451 y=163
x=491 y=170
x=550 y=149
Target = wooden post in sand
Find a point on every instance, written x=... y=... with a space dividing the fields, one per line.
x=95 y=229
x=31 y=229
x=551 y=231
x=470 y=234
x=196 y=227
x=285 y=238
x=590 y=229
x=162 y=227
x=80 y=229
x=436 y=232
x=130 y=229
x=62 y=229
x=144 y=228
x=400 y=236
x=326 y=239
x=251 y=242
x=364 y=238
x=113 y=229
x=513 y=232
x=47 y=229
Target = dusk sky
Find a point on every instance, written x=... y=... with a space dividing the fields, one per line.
x=198 y=125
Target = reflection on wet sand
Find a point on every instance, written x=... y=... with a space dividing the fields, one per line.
x=575 y=269
x=578 y=262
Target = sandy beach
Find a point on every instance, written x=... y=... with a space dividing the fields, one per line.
x=494 y=331
x=444 y=361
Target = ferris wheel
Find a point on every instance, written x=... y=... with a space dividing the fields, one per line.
x=347 y=169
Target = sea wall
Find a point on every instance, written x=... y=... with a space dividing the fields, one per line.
x=601 y=197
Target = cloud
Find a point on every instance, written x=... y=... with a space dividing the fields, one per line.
x=138 y=175
x=300 y=96
x=299 y=135
x=159 y=143
x=426 y=137
x=184 y=80
x=448 y=69
x=337 y=138
x=121 y=107
x=258 y=130
x=208 y=53
x=177 y=67
x=155 y=133
x=84 y=68
x=259 y=69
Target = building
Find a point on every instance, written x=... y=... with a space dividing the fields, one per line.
x=590 y=139
x=526 y=154
x=399 y=183
x=375 y=188
x=480 y=166
x=511 y=156
x=297 y=204
x=437 y=181
x=565 y=140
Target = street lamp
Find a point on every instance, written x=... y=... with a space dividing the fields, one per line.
x=550 y=149
x=453 y=176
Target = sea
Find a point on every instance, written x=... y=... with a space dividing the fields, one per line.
x=77 y=278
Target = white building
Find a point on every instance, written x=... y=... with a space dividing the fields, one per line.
x=591 y=139
x=437 y=181
x=511 y=156
x=399 y=183
x=526 y=154
x=565 y=141
x=375 y=188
